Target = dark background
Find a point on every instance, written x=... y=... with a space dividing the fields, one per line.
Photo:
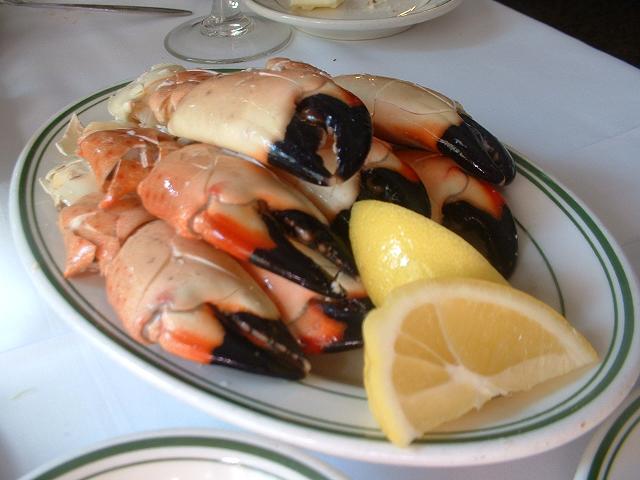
x=611 y=26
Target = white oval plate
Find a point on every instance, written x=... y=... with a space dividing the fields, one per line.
x=187 y=455
x=614 y=450
x=566 y=259
x=355 y=19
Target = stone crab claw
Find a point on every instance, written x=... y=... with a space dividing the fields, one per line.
x=314 y=116
x=323 y=109
x=151 y=99
x=121 y=157
x=93 y=236
x=468 y=206
x=245 y=209
x=320 y=324
x=198 y=303
x=408 y=114
x=280 y=115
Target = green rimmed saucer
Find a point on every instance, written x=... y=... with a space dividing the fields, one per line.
x=187 y=455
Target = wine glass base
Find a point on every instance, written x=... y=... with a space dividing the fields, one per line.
x=263 y=37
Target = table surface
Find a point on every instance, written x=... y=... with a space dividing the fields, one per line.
x=572 y=109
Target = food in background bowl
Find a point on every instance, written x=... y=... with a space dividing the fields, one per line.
x=311 y=4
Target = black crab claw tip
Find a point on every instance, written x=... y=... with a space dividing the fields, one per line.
x=496 y=239
x=354 y=135
x=315 y=115
x=313 y=233
x=295 y=159
x=390 y=186
x=495 y=149
x=271 y=336
x=237 y=352
x=350 y=311
x=478 y=152
x=289 y=262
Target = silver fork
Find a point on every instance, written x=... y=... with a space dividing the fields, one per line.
x=98 y=7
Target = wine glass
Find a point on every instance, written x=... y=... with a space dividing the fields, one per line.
x=226 y=35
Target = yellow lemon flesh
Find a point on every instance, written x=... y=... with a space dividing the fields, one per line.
x=393 y=245
x=439 y=348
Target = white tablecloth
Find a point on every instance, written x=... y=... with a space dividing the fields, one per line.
x=573 y=110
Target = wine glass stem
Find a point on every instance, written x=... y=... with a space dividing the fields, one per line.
x=225 y=20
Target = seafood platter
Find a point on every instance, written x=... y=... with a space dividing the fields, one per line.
x=195 y=224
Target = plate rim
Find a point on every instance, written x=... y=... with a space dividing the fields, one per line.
x=602 y=449
x=342 y=24
x=282 y=454
x=361 y=448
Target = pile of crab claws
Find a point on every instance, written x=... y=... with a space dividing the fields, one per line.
x=259 y=346
x=478 y=152
x=326 y=141
x=495 y=238
x=316 y=117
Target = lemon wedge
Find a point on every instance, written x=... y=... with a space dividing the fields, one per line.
x=439 y=348
x=393 y=245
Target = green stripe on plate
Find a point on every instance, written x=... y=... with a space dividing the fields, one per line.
x=158 y=443
x=613 y=441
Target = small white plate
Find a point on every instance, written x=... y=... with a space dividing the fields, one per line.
x=567 y=259
x=614 y=451
x=355 y=19
x=187 y=455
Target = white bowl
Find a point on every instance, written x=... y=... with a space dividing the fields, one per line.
x=355 y=19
